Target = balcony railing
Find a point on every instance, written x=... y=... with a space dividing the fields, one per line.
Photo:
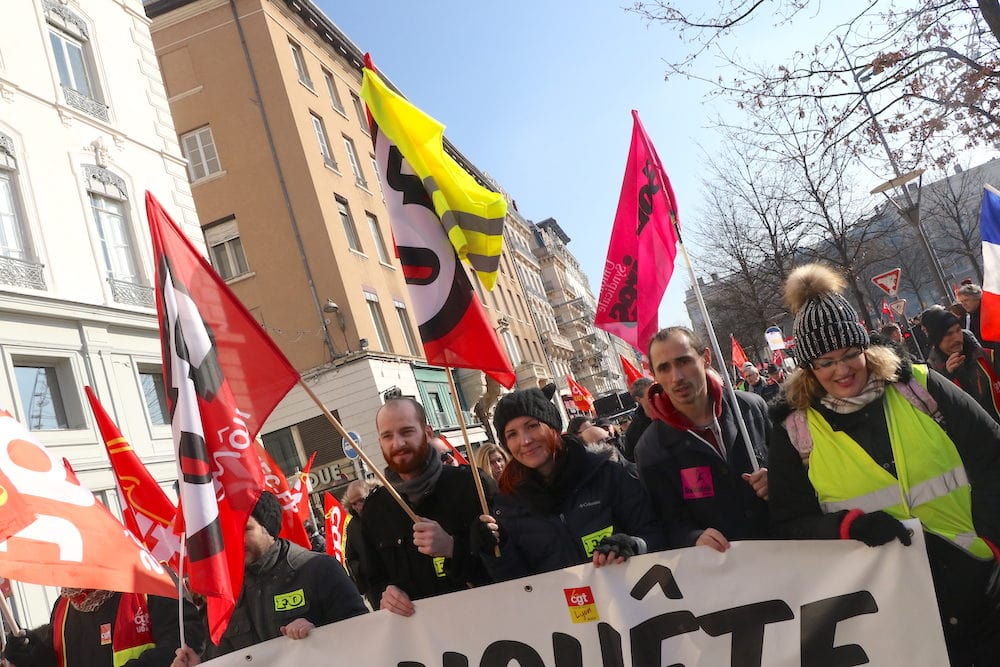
x=20 y=273
x=131 y=294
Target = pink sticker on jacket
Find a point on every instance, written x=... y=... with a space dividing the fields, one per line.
x=697 y=482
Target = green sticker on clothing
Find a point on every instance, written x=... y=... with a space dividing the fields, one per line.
x=439 y=566
x=289 y=601
x=591 y=541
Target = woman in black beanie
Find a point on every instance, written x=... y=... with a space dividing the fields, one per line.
x=560 y=505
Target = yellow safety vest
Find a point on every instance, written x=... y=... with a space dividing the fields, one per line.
x=931 y=483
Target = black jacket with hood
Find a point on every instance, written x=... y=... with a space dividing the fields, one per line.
x=693 y=487
x=550 y=524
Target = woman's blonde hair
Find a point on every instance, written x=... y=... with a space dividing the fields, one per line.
x=483 y=454
x=802 y=388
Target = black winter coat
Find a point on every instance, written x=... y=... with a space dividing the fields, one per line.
x=546 y=526
x=694 y=488
x=640 y=422
x=387 y=551
x=958 y=579
x=288 y=582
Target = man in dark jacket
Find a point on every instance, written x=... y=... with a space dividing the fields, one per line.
x=755 y=382
x=956 y=354
x=691 y=459
x=640 y=419
x=405 y=561
x=287 y=590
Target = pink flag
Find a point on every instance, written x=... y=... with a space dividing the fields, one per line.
x=642 y=248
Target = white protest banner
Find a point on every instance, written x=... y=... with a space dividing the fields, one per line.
x=828 y=603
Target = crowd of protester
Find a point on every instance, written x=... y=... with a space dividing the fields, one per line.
x=870 y=429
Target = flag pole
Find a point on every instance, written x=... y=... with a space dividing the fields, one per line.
x=8 y=618
x=468 y=448
x=364 y=457
x=180 y=585
x=730 y=390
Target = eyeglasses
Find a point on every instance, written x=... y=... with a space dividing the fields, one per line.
x=826 y=364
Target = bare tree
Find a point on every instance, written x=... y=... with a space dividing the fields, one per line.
x=928 y=71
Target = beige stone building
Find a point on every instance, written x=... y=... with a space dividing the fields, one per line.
x=292 y=212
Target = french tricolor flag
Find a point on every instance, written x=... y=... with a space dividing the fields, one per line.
x=989 y=227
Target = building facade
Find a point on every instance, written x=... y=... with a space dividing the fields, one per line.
x=85 y=130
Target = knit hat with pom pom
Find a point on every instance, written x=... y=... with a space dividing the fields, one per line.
x=824 y=320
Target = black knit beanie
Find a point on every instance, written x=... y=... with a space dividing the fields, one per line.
x=525 y=403
x=937 y=320
x=267 y=512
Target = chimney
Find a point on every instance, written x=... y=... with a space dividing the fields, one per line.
x=715 y=276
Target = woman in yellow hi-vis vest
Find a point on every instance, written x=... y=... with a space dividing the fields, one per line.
x=865 y=440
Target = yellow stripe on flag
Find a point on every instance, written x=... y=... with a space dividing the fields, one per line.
x=473 y=216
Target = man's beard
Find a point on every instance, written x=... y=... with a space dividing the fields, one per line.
x=414 y=463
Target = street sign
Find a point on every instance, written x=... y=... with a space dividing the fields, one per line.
x=888 y=282
x=349 y=447
x=898 y=308
x=775 y=339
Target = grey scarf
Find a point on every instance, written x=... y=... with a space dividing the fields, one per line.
x=422 y=483
x=872 y=391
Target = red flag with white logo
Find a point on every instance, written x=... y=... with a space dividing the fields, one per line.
x=70 y=539
x=276 y=482
x=582 y=397
x=224 y=376
x=147 y=511
x=334 y=515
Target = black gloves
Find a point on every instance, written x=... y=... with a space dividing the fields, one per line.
x=624 y=545
x=878 y=528
x=33 y=649
x=482 y=539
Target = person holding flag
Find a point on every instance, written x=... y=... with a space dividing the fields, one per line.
x=277 y=573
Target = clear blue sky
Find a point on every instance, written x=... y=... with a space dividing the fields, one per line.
x=538 y=95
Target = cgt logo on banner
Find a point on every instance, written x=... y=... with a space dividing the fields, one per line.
x=819 y=603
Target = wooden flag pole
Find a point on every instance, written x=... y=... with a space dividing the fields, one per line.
x=468 y=448
x=364 y=457
x=468 y=445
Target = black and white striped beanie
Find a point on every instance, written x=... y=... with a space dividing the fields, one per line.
x=825 y=323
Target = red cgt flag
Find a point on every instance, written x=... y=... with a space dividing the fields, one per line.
x=300 y=489
x=739 y=357
x=292 y=528
x=631 y=372
x=886 y=310
x=335 y=516
x=642 y=248
x=223 y=377
x=583 y=399
x=70 y=538
x=147 y=511
x=453 y=325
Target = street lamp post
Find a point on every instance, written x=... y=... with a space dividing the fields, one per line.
x=911 y=212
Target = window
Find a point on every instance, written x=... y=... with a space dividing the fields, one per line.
x=404 y=323
x=281 y=446
x=199 y=149
x=226 y=249
x=331 y=87
x=300 y=64
x=352 y=157
x=360 y=110
x=378 y=321
x=383 y=252
x=38 y=385
x=512 y=352
x=155 y=395
x=350 y=231
x=375 y=169
x=71 y=62
x=11 y=232
x=324 y=145
x=115 y=232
